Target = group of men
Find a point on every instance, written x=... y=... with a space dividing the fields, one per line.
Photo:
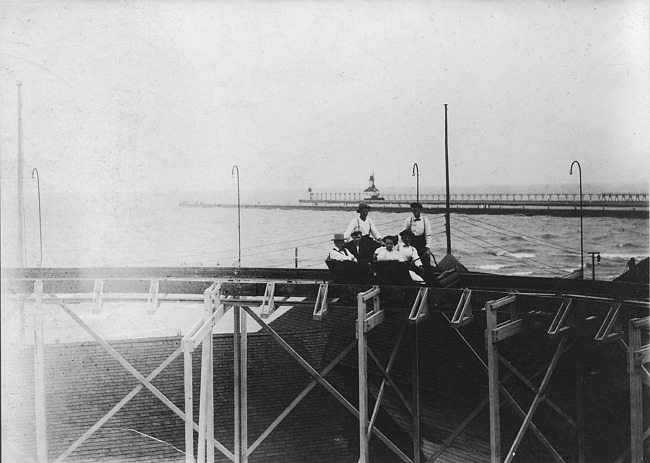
x=362 y=242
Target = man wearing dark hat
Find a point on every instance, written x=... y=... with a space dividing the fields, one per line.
x=360 y=249
x=363 y=223
x=410 y=254
x=421 y=229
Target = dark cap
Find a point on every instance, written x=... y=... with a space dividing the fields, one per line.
x=363 y=206
x=416 y=206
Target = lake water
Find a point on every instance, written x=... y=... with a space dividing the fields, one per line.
x=153 y=230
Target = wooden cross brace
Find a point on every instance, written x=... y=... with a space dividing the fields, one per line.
x=268 y=303
x=562 y=321
x=420 y=310
x=144 y=383
x=610 y=330
x=320 y=308
x=463 y=314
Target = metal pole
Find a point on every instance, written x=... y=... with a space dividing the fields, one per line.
x=582 y=264
x=296 y=257
x=238 y=214
x=416 y=172
x=593 y=263
x=447 y=214
x=22 y=251
x=40 y=222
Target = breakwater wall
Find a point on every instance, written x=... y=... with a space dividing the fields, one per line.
x=624 y=205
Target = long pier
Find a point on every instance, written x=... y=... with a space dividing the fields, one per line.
x=629 y=205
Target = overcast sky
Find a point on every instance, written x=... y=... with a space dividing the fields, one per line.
x=123 y=96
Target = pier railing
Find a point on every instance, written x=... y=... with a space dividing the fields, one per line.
x=591 y=199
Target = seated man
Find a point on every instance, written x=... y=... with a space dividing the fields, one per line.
x=340 y=252
x=410 y=254
x=359 y=248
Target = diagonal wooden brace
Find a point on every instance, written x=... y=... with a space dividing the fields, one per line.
x=268 y=303
x=562 y=321
x=98 y=296
x=463 y=314
x=320 y=308
x=610 y=330
x=420 y=310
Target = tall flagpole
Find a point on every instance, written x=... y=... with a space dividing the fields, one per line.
x=22 y=251
x=447 y=214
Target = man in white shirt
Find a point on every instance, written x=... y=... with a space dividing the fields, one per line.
x=421 y=229
x=340 y=252
x=409 y=253
x=363 y=223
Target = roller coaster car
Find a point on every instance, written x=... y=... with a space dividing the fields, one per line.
x=349 y=272
x=392 y=273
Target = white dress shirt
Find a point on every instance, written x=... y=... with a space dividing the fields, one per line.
x=341 y=254
x=410 y=254
x=419 y=227
x=384 y=254
x=367 y=227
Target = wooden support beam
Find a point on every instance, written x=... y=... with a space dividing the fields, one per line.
x=373 y=320
x=243 y=351
x=420 y=309
x=39 y=376
x=362 y=347
x=320 y=308
x=634 y=368
x=610 y=329
x=493 y=383
x=510 y=299
x=189 y=412
x=463 y=314
x=268 y=303
x=205 y=451
x=237 y=383
x=561 y=321
x=507 y=330
x=206 y=326
x=415 y=384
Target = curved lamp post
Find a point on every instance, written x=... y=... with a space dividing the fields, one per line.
x=238 y=213
x=40 y=226
x=417 y=181
x=582 y=264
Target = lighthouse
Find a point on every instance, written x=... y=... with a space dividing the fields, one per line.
x=372 y=189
